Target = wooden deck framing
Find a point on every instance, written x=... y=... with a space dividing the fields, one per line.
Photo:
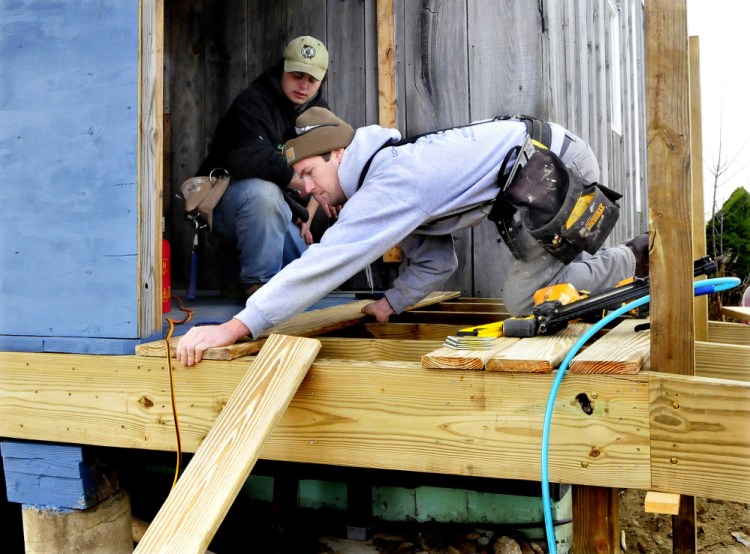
x=370 y=402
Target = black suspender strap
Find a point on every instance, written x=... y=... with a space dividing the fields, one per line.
x=539 y=131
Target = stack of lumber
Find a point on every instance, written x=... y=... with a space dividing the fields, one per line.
x=620 y=351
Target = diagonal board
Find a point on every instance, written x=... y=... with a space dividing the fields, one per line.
x=622 y=350
x=451 y=358
x=306 y=324
x=196 y=506
x=537 y=354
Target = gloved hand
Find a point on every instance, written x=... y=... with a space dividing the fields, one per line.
x=639 y=246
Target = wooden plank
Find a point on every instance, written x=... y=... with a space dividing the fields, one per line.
x=728 y=333
x=737 y=312
x=402 y=331
x=268 y=33
x=700 y=303
x=504 y=77
x=699 y=427
x=191 y=136
x=386 y=65
x=669 y=207
x=474 y=307
x=621 y=350
x=451 y=358
x=375 y=350
x=505 y=61
x=457 y=319
x=202 y=496
x=391 y=415
x=596 y=517
x=668 y=133
x=722 y=361
x=306 y=324
x=553 y=62
x=537 y=354
x=662 y=503
x=151 y=166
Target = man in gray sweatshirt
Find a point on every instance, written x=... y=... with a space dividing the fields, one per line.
x=414 y=194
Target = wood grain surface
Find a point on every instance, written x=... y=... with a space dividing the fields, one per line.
x=537 y=354
x=622 y=350
x=196 y=506
x=306 y=324
x=451 y=358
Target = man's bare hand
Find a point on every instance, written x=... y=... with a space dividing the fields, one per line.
x=197 y=340
x=381 y=309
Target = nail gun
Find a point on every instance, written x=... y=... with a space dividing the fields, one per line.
x=557 y=305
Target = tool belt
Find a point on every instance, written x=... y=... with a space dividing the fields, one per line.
x=202 y=194
x=553 y=205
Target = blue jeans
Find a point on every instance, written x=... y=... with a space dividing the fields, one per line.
x=253 y=216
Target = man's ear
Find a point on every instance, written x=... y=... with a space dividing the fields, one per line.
x=337 y=154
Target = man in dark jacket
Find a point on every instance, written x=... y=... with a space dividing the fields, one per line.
x=260 y=212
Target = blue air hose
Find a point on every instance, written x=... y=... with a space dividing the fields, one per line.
x=707 y=286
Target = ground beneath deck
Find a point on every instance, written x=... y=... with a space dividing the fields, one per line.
x=721 y=528
x=716 y=521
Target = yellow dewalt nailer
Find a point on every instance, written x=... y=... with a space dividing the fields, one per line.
x=557 y=305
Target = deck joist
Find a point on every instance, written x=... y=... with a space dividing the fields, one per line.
x=370 y=402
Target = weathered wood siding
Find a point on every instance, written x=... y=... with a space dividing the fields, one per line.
x=455 y=62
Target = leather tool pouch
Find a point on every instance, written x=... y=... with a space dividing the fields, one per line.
x=563 y=215
x=202 y=194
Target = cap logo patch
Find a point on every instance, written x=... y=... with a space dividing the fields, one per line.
x=289 y=154
x=307 y=52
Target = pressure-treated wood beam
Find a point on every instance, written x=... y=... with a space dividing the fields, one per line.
x=671 y=264
x=700 y=303
x=196 y=506
x=670 y=208
x=151 y=167
x=729 y=333
x=398 y=415
x=722 y=361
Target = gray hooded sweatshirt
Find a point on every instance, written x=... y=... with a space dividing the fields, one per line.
x=414 y=195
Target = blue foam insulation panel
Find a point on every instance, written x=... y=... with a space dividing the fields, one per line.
x=69 y=153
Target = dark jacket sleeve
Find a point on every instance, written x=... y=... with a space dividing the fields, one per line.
x=249 y=137
x=255 y=140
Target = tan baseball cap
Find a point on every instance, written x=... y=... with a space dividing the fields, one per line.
x=306 y=55
x=319 y=131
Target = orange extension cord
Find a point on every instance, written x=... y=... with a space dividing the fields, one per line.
x=172 y=323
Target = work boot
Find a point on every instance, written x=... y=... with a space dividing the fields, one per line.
x=252 y=289
x=639 y=246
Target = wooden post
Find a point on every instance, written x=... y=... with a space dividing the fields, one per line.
x=150 y=170
x=386 y=63
x=596 y=520
x=387 y=84
x=669 y=199
x=700 y=305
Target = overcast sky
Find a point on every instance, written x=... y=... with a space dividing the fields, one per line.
x=723 y=28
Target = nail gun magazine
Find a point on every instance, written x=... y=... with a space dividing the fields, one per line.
x=557 y=305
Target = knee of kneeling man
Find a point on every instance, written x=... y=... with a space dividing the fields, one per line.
x=262 y=192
